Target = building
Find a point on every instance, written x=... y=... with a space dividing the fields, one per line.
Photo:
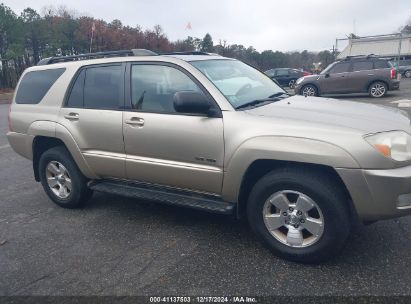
x=393 y=45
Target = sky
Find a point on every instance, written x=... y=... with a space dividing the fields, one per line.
x=286 y=25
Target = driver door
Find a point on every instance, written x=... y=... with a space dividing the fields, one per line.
x=165 y=147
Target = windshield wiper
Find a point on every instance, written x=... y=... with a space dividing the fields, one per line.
x=278 y=94
x=272 y=98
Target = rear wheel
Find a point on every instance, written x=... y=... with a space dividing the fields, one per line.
x=301 y=216
x=377 y=89
x=291 y=83
x=61 y=179
x=309 y=90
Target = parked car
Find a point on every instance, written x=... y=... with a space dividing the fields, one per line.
x=286 y=76
x=359 y=74
x=404 y=68
x=213 y=134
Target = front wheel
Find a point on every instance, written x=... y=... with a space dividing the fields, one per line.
x=301 y=216
x=61 y=179
x=309 y=90
x=377 y=89
x=407 y=74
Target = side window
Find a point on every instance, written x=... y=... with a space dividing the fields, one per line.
x=103 y=86
x=153 y=87
x=340 y=68
x=76 y=98
x=35 y=85
x=270 y=73
x=380 y=64
x=282 y=72
x=362 y=66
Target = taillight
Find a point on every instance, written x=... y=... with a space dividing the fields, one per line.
x=307 y=73
x=393 y=73
x=9 y=118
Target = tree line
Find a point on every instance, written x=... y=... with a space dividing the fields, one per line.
x=31 y=36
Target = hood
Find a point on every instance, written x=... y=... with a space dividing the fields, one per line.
x=368 y=118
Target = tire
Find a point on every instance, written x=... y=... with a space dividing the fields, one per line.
x=407 y=74
x=61 y=179
x=291 y=83
x=377 y=89
x=307 y=187
x=309 y=90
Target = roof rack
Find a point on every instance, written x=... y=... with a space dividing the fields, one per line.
x=359 y=56
x=189 y=53
x=123 y=53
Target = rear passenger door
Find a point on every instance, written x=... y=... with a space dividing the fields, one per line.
x=362 y=73
x=93 y=115
x=165 y=147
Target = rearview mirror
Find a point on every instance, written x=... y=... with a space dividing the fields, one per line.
x=192 y=103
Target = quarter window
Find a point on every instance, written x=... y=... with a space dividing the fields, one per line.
x=35 y=85
x=153 y=87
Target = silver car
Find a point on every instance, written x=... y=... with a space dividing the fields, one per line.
x=212 y=133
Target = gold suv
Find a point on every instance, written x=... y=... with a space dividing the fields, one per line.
x=203 y=131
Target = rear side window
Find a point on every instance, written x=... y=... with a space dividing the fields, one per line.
x=362 y=66
x=97 y=87
x=381 y=64
x=76 y=99
x=36 y=84
x=102 y=87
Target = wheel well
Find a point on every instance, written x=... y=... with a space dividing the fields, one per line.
x=259 y=168
x=40 y=145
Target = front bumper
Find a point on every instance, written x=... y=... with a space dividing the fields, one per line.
x=379 y=194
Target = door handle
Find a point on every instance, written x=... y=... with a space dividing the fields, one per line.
x=370 y=74
x=72 y=116
x=135 y=121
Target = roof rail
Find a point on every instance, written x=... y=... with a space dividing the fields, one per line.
x=359 y=56
x=189 y=53
x=122 y=53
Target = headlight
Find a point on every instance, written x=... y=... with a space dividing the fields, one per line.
x=299 y=80
x=394 y=144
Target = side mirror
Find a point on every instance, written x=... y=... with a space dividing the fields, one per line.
x=327 y=75
x=192 y=103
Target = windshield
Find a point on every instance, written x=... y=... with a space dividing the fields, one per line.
x=240 y=83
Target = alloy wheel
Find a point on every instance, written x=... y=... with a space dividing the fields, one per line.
x=407 y=74
x=291 y=84
x=58 y=179
x=293 y=218
x=378 y=90
x=309 y=91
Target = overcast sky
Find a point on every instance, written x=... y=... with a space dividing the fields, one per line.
x=277 y=25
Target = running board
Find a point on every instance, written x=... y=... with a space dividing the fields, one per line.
x=164 y=195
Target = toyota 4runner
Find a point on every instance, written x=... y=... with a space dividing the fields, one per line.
x=212 y=133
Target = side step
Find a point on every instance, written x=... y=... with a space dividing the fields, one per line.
x=168 y=196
